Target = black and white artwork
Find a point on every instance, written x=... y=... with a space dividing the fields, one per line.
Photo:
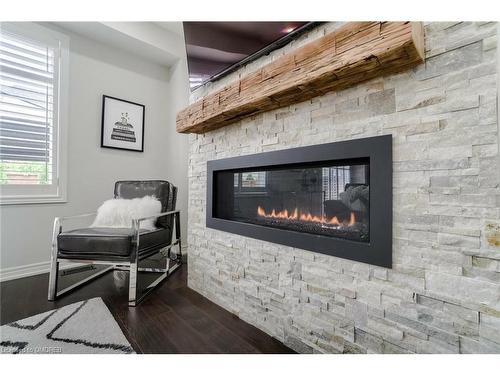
x=122 y=124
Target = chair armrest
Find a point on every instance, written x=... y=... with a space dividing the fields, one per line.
x=65 y=218
x=136 y=226
x=136 y=223
x=57 y=229
x=156 y=216
x=59 y=220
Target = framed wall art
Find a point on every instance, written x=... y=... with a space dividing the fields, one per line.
x=122 y=124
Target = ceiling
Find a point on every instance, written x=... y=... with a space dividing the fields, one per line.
x=161 y=42
x=213 y=47
x=174 y=27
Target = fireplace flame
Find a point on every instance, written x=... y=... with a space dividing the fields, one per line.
x=294 y=215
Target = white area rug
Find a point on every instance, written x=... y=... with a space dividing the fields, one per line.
x=85 y=327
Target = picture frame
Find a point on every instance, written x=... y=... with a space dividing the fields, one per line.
x=122 y=124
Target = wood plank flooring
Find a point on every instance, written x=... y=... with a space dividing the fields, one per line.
x=173 y=319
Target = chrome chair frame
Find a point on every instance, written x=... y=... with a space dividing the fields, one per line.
x=131 y=265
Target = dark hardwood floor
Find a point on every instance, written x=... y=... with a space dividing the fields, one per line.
x=173 y=319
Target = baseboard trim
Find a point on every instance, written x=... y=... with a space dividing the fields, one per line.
x=33 y=269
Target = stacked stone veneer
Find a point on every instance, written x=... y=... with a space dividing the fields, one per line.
x=443 y=292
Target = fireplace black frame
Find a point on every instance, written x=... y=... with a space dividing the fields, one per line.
x=378 y=251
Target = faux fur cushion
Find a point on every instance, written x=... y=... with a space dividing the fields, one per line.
x=119 y=213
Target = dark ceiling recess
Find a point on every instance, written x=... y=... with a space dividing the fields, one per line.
x=217 y=48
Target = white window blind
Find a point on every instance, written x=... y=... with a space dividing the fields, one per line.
x=30 y=65
x=26 y=111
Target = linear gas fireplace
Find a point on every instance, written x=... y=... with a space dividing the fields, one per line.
x=333 y=198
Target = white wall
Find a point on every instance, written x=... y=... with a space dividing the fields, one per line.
x=95 y=70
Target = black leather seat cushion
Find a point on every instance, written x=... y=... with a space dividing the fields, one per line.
x=108 y=243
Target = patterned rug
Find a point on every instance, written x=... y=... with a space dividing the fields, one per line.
x=82 y=327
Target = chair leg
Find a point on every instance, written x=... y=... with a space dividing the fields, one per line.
x=180 y=252
x=133 y=299
x=84 y=281
x=178 y=235
x=54 y=264
x=132 y=289
x=54 y=273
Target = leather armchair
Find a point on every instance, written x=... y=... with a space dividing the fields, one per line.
x=121 y=248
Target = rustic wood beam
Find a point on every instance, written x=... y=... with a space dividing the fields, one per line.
x=356 y=52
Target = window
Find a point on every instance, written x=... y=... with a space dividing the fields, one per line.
x=334 y=181
x=250 y=181
x=33 y=97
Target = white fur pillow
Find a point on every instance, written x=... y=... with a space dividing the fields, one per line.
x=119 y=213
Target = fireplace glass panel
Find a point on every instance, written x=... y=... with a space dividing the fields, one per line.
x=328 y=198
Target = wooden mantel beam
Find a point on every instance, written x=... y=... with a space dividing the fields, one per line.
x=356 y=52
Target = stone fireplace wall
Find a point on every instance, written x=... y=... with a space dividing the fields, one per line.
x=443 y=293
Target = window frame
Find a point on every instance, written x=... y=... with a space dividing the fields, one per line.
x=56 y=192
x=240 y=189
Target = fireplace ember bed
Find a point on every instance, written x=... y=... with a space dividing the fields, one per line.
x=333 y=198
